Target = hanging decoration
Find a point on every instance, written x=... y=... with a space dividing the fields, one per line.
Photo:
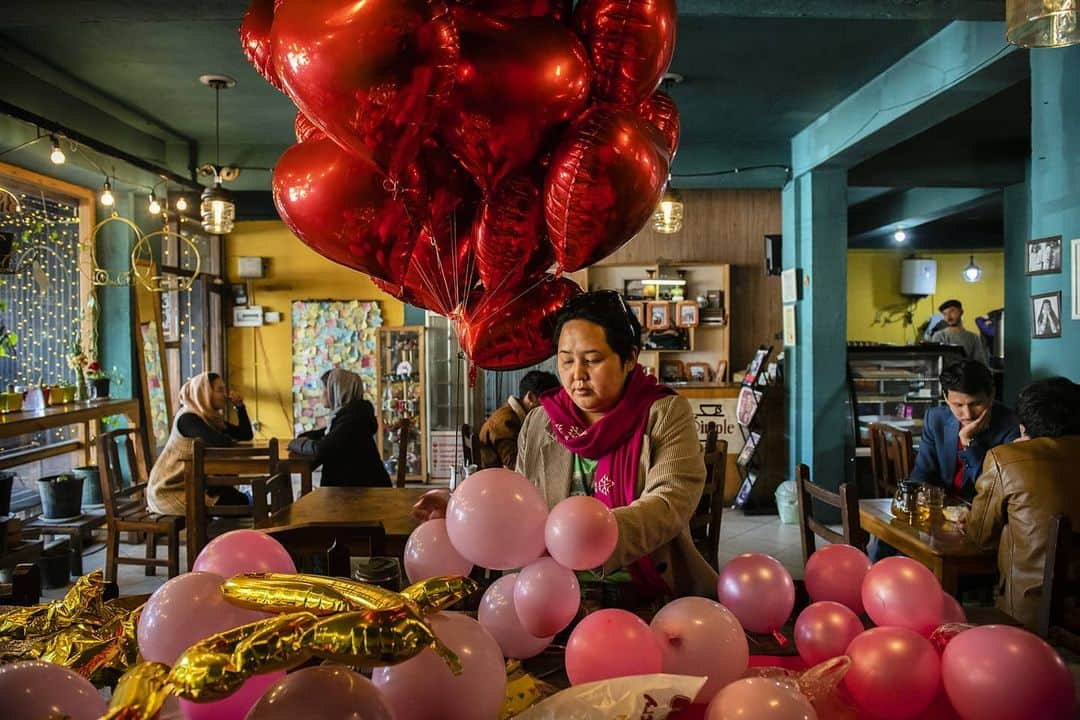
x=102 y=276
x=466 y=154
x=143 y=265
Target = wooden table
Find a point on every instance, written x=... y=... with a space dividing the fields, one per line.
x=82 y=414
x=937 y=544
x=77 y=530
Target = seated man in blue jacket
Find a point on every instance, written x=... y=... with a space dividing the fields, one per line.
x=956 y=436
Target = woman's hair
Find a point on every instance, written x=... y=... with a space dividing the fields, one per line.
x=969 y=377
x=607 y=309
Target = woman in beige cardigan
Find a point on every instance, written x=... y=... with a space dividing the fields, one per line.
x=612 y=432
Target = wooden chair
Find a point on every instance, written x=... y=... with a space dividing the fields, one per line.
x=403 y=453
x=1058 y=619
x=846 y=500
x=470 y=451
x=705 y=522
x=892 y=456
x=329 y=548
x=257 y=466
x=125 y=505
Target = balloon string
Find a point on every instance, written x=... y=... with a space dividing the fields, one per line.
x=483 y=304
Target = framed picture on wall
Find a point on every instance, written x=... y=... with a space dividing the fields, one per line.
x=686 y=313
x=790 y=336
x=789 y=285
x=1076 y=279
x=638 y=309
x=1044 y=256
x=659 y=316
x=1046 y=315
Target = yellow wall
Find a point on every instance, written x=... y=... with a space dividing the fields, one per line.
x=262 y=357
x=874 y=284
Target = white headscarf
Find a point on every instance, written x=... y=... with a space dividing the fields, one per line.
x=342 y=388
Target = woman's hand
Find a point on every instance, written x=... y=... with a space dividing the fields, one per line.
x=236 y=398
x=431 y=505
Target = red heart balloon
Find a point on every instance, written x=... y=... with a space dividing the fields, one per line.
x=255 y=39
x=511 y=239
x=660 y=112
x=630 y=42
x=373 y=74
x=516 y=81
x=561 y=10
x=339 y=204
x=514 y=328
x=605 y=179
x=305 y=129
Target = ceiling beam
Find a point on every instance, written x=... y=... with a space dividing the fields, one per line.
x=943 y=10
x=81 y=12
x=885 y=214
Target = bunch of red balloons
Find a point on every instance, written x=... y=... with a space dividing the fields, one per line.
x=466 y=153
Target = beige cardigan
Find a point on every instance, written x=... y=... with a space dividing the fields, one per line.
x=669 y=486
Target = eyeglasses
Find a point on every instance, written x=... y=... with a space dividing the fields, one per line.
x=605 y=299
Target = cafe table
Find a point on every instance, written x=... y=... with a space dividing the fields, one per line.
x=936 y=543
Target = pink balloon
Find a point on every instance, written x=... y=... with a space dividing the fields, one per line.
x=429 y=553
x=699 y=636
x=236 y=706
x=953 y=611
x=996 y=672
x=423 y=688
x=496 y=518
x=34 y=689
x=186 y=609
x=759 y=590
x=547 y=597
x=836 y=572
x=581 y=533
x=243 y=551
x=328 y=691
x=498 y=616
x=824 y=630
x=760 y=698
x=894 y=672
x=610 y=644
x=900 y=592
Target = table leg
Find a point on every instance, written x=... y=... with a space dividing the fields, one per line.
x=305 y=480
x=76 y=554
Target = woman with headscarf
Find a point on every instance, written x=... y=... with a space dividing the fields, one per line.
x=203 y=401
x=346 y=447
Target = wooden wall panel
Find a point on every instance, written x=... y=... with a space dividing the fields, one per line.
x=725 y=226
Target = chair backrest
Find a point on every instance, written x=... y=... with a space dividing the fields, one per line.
x=705 y=523
x=846 y=500
x=329 y=547
x=892 y=456
x=403 y=453
x=116 y=450
x=470 y=453
x=1059 y=607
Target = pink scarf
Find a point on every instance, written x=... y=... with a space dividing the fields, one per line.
x=614 y=441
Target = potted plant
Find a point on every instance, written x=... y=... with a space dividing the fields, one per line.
x=98 y=380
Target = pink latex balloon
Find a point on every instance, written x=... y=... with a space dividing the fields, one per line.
x=894 y=673
x=996 y=672
x=34 y=689
x=328 y=691
x=761 y=699
x=429 y=553
x=186 y=609
x=423 y=688
x=824 y=630
x=836 y=572
x=759 y=590
x=699 y=636
x=496 y=518
x=953 y=610
x=547 y=597
x=237 y=705
x=581 y=533
x=498 y=616
x=900 y=592
x=609 y=644
x=243 y=551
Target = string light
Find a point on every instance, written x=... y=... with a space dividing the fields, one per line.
x=155 y=206
x=181 y=203
x=107 y=198
x=57 y=156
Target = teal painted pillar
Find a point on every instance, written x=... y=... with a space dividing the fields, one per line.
x=1055 y=194
x=115 y=333
x=1017 y=291
x=814 y=208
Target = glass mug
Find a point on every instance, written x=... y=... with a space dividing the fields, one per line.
x=904 y=502
x=930 y=501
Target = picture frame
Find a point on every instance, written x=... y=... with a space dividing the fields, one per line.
x=1076 y=279
x=790 y=335
x=637 y=308
x=634 y=289
x=746 y=455
x=672 y=371
x=1046 y=315
x=721 y=371
x=1044 y=256
x=747 y=406
x=686 y=313
x=699 y=372
x=789 y=285
x=714 y=299
x=658 y=315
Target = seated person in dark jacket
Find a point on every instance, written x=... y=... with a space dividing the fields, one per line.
x=346 y=447
x=499 y=433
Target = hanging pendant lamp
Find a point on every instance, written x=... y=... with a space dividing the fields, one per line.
x=1042 y=23
x=667 y=219
x=217 y=207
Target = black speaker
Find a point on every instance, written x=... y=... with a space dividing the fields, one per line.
x=773 y=259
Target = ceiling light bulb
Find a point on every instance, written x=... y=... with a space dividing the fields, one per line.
x=899 y=236
x=57 y=155
x=181 y=204
x=155 y=206
x=107 y=198
x=668 y=216
x=972 y=273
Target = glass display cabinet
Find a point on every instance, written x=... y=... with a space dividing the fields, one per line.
x=402 y=412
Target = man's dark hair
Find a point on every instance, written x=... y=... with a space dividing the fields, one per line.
x=1048 y=408
x=950 y=304
x=607 y=309
x=536 y=381
x=969 y=377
